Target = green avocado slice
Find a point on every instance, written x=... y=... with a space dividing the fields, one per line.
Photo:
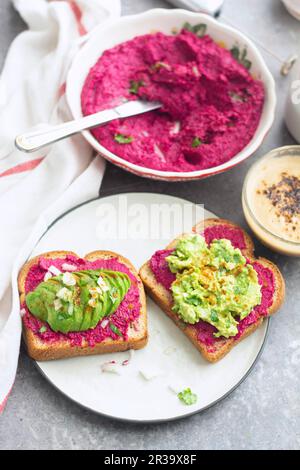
x=87 y=319
x=81 y=304
x=107 y=303
x=116 y=291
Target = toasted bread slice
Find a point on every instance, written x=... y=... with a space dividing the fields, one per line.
x=43 y=351
x=163 y=296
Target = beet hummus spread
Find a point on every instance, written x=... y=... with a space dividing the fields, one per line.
x=211 y=103
x=205 y=331
x=115 y=326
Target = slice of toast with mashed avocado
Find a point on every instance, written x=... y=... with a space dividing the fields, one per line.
x=212 y=286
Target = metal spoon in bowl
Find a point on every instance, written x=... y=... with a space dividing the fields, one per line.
x=32 y=141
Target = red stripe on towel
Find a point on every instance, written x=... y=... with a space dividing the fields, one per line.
x=62 y=90
x=78 y=15
x=2 y=405
x=22 y=167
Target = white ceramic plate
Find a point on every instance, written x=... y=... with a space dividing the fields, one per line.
x=169 y=353
x=127 y=27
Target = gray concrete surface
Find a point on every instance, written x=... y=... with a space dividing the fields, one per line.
x=264 y=413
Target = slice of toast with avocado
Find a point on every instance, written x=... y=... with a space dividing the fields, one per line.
x=74 y=306
x=212 y=286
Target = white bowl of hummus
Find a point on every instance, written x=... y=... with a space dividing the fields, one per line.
x=218 y=96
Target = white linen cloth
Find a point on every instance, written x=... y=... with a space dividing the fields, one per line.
x=35 y=189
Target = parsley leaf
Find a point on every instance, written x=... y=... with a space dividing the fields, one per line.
x=235 y=52
x=115 y=329
x=241 y=57
x=198 y=29
x=43 y=329
x=135 y=85
x=187 y=397
x=214 y=316
x=196 y=142
x=123 y=139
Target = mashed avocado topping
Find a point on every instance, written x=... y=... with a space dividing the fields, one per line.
x=77 y=301
x=213 y=283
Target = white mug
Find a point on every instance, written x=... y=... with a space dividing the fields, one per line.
x=293 y=7
x=292 y=110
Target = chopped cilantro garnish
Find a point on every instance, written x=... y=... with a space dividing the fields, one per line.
x=135 y=85
x=123 y=139
x=193 y=300
x=187 y=397
x=115 y=329
x=237 y=258
x=241 y=57
x=214 y=316
x=188 y=26
x=199 y=29
x=247 y=64
x=244 y=61
x=43 y=329
x=196 y=142
x=235 y=52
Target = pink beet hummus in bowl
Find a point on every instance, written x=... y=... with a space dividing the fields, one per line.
x=218 y=96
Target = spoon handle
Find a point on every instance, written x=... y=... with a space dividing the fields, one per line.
x=32 y=141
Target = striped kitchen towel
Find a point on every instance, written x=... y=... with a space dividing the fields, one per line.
x=35 y=189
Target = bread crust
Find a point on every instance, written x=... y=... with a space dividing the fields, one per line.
x=42 y=351
x=163 y=297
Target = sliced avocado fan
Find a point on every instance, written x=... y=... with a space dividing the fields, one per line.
x=78 y=301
